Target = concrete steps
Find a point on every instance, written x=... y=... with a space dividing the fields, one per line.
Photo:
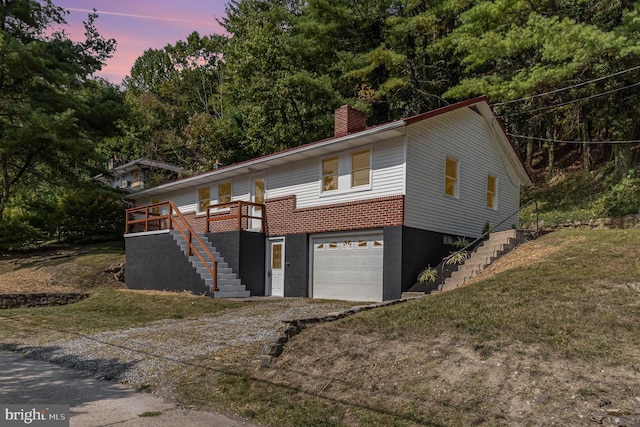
x=229 y=285
x=490 y=250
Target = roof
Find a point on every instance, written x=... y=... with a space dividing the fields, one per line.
x=340 y=143
x=136 y=164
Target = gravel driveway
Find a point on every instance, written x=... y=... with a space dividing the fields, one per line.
x=140 y=356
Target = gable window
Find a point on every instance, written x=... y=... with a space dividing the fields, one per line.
x=204 y=198
x=360 y=168
x=492 y=191
x=330 y=174
x=451 y=178
x=224 y=192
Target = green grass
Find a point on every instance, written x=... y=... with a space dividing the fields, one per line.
x=574 y=302
x=572 y=195
x=578 y=304
x=108 y=309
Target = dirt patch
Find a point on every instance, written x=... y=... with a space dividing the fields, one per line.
x=413 y=380
x=60 y=269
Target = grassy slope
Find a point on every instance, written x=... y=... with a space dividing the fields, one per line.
x=541 y=344
x=62 y=268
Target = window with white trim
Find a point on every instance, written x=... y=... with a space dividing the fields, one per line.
x=360 y=168
x=492 y=192
x=330 y=174
x=224 y=192
x=204 y=198
x=451 y=177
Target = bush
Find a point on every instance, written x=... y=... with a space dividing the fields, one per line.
x=624 y=197
x=91 y=216
x=18 y=235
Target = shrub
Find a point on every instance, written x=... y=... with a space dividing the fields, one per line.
x=457 y=257
x=624 y=197
x=427 y=275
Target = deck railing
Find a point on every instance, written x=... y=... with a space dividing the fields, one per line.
x=166 y=216
x=240 y=211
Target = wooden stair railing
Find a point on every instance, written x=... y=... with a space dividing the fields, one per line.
x=242 y=212
x=167 y=216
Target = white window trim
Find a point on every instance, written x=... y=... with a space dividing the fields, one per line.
x=458 y=167
x=345 y=170
x=218 y=184
x=198 y=211
x=495 y=194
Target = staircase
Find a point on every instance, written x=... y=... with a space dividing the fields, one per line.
x=229 y=285
x=488 y=251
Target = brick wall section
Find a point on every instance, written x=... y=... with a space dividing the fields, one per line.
x=348 y=120
x=284 y=218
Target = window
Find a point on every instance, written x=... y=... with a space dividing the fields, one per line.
x=330 y=174
x=204 y=198
x=492 y=187
x=224 y=193
x=360 y=167
x=259 y=190
x=276 y=256
x=136 y=178
x=451 y=178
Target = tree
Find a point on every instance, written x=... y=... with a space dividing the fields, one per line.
x=277 y=101
x=516 y=49
x=48 y=100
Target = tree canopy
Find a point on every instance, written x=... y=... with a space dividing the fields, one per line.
x=285 y=65
x=51 y=108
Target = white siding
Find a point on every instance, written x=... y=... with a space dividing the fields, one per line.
x=465 y=136
x=186 y=199
x=303 y=179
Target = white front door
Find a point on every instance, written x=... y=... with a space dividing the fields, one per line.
x=276 y=267
x=257 y=196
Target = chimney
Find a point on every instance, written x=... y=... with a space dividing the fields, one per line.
x=217 y=164
x=349 y=120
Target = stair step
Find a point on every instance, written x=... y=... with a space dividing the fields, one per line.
x=229 y=285
x=231 y=294
x=491 y=249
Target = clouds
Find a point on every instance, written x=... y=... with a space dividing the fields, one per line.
x=142 y=24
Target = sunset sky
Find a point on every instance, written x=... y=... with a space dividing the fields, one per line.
x=138 y=25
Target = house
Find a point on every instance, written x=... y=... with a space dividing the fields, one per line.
x=138 y=174
x=356 y=216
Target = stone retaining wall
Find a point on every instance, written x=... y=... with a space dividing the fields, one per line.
x=39 y=300
x=270 y=352
x=625 y=222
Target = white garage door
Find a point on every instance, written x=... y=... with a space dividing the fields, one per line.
x=348 y=267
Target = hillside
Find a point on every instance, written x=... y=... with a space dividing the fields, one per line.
x=551 y=338
x=62 y=268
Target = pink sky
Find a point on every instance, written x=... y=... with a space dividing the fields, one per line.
x=138 y=25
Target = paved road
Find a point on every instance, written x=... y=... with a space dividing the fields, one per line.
x=94 y=402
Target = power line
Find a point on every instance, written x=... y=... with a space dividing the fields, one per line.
x=573 y=101
x=568 y=87
x=535 y=138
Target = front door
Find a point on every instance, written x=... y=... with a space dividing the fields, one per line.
x=276 y=267
x=257 y=196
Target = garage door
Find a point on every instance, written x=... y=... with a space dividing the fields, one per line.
x=348 y=267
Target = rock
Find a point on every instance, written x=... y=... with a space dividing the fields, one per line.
x=266 y=361
x=272 y=349
x=543 y=398
x=604 y=401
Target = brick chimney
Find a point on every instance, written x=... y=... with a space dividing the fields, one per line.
x=349 y=120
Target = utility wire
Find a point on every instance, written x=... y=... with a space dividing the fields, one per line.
x=573 y=101
x=567 y=88
x=535 y=138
